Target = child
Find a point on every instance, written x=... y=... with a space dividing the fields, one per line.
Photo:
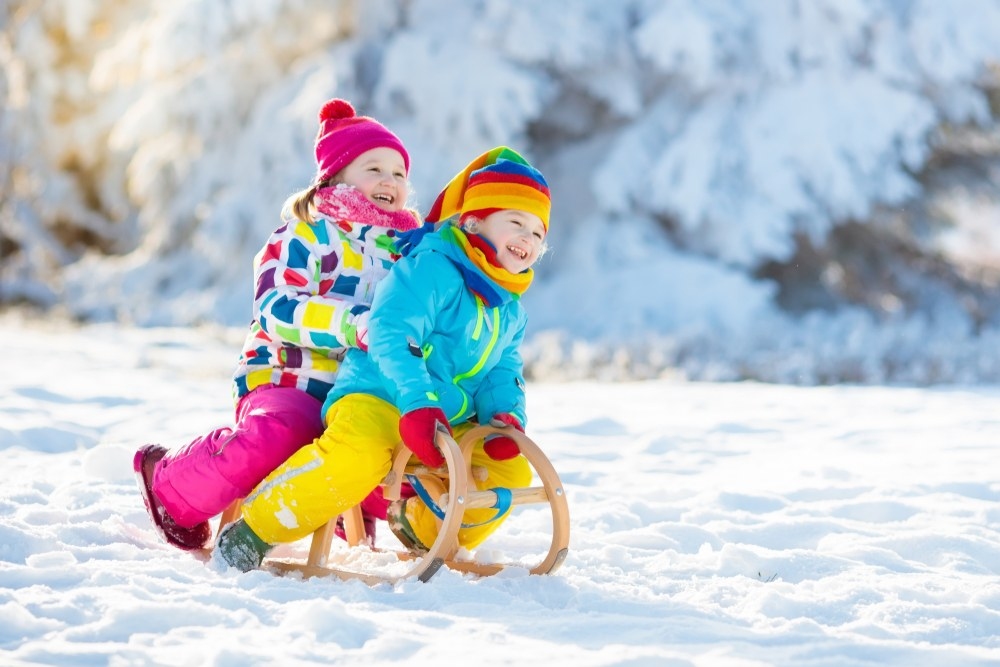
x=314 y=279
x=445 y=331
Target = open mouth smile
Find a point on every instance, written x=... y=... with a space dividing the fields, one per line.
x=520 y=253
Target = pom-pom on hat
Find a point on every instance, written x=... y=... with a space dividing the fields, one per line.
x=343 y=136
x=498 y=179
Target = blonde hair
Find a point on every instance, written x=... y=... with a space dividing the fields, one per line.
x=299 y=205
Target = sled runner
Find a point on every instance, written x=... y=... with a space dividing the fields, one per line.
x=449 y=492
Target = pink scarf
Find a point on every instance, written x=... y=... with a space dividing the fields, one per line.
x=344 y=202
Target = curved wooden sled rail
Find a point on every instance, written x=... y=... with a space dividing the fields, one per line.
x=456 y=496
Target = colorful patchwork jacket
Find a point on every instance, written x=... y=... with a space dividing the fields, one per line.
x=313 y=281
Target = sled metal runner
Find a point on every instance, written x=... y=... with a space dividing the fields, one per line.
x=456 y=492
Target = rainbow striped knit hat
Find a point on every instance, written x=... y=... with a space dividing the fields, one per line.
x=498 y=179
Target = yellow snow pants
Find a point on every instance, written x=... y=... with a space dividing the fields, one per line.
x=341 y=467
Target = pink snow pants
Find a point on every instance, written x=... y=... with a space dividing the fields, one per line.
x=200 y=480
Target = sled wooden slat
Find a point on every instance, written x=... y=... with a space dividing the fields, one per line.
x=286 y=566
x=283 y=566
x=319 y=548
x=354 y=526
x=488 y=498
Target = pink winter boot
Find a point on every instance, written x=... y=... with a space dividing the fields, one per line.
x=189 y=539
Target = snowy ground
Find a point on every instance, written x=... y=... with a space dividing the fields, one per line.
x=730 y=524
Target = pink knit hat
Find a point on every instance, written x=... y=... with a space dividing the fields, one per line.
x=343 y=136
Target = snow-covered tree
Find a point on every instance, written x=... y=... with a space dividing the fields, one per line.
x=793 y=191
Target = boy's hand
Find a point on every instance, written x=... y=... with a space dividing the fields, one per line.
x=500 y=447
x=418 y=428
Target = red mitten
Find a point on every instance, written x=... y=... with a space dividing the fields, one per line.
x=417 y=428
x=500 y=447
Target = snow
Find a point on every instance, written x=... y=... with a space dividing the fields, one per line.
x=801 y=193
x=712 y=524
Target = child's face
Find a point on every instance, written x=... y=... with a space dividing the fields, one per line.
x=518 y=237
x=380 y=175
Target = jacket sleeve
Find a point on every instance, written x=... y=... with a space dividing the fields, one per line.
x=403 y=313
x=502 y=390
x=294 y=300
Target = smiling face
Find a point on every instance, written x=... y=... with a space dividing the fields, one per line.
x=518 y=237
x=380 y=175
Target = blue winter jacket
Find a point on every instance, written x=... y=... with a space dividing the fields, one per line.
x=433 y=343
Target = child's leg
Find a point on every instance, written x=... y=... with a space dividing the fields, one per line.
x=202 y=479
x=513 y=473
x=328 y=476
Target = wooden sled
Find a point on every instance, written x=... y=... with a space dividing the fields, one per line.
x=459 y=495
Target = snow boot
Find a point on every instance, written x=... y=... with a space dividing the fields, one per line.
x=190 y=539
x=401 y=528
x=240 y=547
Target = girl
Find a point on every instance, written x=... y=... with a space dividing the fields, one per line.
x=314 y=279
x=445 y=331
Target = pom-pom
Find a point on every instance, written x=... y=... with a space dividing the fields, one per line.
x=335 y=109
